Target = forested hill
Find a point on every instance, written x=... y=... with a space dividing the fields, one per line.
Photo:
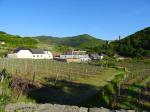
x=137 y=44
x=12 y=41
x=80 y=41
x=84 y=41
x=9 y=42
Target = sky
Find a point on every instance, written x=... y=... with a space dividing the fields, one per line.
x=104 y=19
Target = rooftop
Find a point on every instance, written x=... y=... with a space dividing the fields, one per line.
x=32 y=50
x=36 y=51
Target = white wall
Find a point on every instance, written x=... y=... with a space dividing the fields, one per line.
x=28 y=54
x=66 y=56
x=38 y=56
x=48 y=55
x=101 y=57
x=24 y=54
x=12 y=55
x=73 y=56
x=85 y=59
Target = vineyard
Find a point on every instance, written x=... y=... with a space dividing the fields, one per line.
x=51 y=81
x=126 y=91
x=135 y=88
x=27 y=68
x=126 y=85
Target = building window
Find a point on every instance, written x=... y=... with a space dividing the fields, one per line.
x=33 y=55
x=41 y=55
x=37 y=55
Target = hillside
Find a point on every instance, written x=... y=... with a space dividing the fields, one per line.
x=8 y=42
x=137 y=44
x=80 y=41
x=57 y=44
x=15 y=40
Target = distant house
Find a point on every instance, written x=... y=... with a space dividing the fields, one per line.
x=96 y=56
x=80 y=56
x=118 y=57
x=30 y=53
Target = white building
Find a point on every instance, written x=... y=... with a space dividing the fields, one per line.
x=75 y=55
x=31 y=54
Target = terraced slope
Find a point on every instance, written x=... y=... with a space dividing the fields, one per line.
x=135 y=88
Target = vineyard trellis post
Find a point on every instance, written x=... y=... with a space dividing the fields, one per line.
x=33 y=78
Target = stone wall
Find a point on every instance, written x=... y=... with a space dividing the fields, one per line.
x=30 y=107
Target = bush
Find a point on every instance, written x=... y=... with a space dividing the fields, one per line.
x=4 y=99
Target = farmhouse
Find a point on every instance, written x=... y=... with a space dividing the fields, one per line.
x=75 y=56
x=30 y=53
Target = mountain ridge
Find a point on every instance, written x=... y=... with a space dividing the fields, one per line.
x=80 y=41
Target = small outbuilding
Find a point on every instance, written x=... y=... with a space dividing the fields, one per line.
x=96 y=56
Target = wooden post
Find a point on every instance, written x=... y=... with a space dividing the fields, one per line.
x=56 y=79
x=119 y=89
x=16 y=71
x=33 y=78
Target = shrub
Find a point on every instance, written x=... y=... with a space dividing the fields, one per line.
x=4 y=99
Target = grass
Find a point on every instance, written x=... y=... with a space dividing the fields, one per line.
x=145 y=81
x=72 y=92
x=44 y=46
x=100 y=79
x=24 y=98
